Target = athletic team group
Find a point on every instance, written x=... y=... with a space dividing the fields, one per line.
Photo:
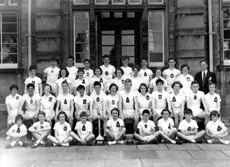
x=164 y=108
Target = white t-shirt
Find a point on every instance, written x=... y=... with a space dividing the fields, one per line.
x=100 y=79
x=98 y=101
x=62 y=129
x=31 y=102
x=145 y=74
x=153 y=83
x=186 y=81
x=146 y=127
x=115 y=125
x=82 y=102
x=215 y=127
x=184 y=125
x=36 y=81
x=88 y=74
x=47 y=103
x=136 y=82
x=177 y=100
x=52 y=75
x=119 y=83
x=165 y=124
x=171 y=76
x=128 y=99
x=112 y=102
x=108 y=72
x=72 y=73
x=127 y=72
x=39 y=126
x=83 y=129
x=65 y=101
x=143 y=102
x=160 y=100
x=19 y=130
x=195 y=102
x=212 y=101
x=14 y=103
x=59 y=83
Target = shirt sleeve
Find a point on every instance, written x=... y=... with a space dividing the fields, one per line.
x=46 y=71
x=39 y=80
x=139 y=126
x=55 y=126
x=121 y=122
x=24 y=129
x=77 y=126
x=90 y=127
x=218 y=97
x=153 y=125
x=7 y=100
x=109 y=124
x=181 y=126
x=195 y=124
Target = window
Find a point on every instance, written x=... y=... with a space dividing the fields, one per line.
x=2 y=2
x=80 y=2
x=118 y=2
x=156 y=38
x=135 y=2
x=155 y=1
x=226 y=14
x=13 y=2
x=101 y=2
x=81 y=37
x=8 y=40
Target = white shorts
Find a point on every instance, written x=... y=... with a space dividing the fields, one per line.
x=177 y=110
x=159 y=110
x=30 y=114
x=196 y=111
x=14 y=112
x=49 y=113
x=11 y=118
x=169 y=88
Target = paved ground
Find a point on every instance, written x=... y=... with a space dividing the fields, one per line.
x=200 y=155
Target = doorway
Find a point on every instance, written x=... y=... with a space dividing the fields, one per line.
x=118 y=36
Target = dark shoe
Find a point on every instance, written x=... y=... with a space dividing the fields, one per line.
x=199 y=141
x=8 y=146
x=35 y=145
x=105 y=138
x=155 y=142
x=44 y=145
x=24 y=145
x=179 y=142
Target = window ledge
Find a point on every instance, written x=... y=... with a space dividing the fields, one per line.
x=15 y=71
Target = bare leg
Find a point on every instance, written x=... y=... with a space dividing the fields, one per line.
x=172 y=133
x=199 y=135
x=121 y=135
x=75 y=136
x=188 y=138
x=109 y=135
x=139 y=137
x=90 y=138
x=68 y=139
x=53 y=139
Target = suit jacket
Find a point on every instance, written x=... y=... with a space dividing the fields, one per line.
x=210 y=77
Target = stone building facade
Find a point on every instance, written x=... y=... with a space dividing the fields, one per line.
x=32 y=31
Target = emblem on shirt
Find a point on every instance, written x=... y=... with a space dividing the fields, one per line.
x=87 y=74
x=83 y=81
x=169 y=126
x=215 y=99
x=195 y=97
x=188 y=78
x=18 y=130
x=146 y=126
x=33 y=82
x=159 y=96
x=174 y=99
x=50 y=99
x=118 y=124
x=101 y=80
x=127 y=100
x=52 y=71
x=147 y=97
x=106 y=73
x=219 y=128
x=65 y=128
x=65 y=101
x=83 y=128
x=189 y=128
x=172 y=75
x=84 y=101
x=122 y=81
x=31 y=101
x=41 y=127
x=113 y=102
x=145 y=74
x=97 y=99
x=17 y=97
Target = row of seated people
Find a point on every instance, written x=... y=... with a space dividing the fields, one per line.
x=116 y=130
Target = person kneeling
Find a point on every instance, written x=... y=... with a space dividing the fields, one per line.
x=188 y=129
x=147 y=132
x=216 y=130
x=84 y=130
x=115 y=128
x=61 y=131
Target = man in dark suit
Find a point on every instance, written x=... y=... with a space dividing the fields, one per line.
x=204 y=77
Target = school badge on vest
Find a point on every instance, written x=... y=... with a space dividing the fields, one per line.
x=87 y=74
x=65 y=128
x=122 y=81
x=146 y=126
x=106 y=73
x=172 y=75
x=83 y=128
x=83 y=81
x=188 y=79
x=127 y=100
x=145 y=74
x=18 y=130
x=84 y=101
x=113 y=102
x=50 y=99
x=52 y=71
x=17 y=97
x=42 y=127
x=159 y=96
x=97 y=99
x=65 y=101
x=31 y=101
x=147 y=97
x=33 y=82
x=215 y=99
x=174 y=99
x=219 y=128
x=118 y=124
x=189 y=129
x=169 y=126
x=195 y=97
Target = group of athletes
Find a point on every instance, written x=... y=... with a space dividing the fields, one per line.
x=164 y=108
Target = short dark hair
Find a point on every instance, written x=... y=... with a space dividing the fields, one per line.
x=115 y=109
x=184 y=65
x=64 y=82
x=85 y=60
x=165 y=110
x=158 y=68
x=83 y=114
x=194 y=82
x=70 y=57
x=80 y=87
x=49 y=86
x=67 y=72
x=204 y=61
x=30 y=85
x=171 y=59
x=53 y=58
x=211 y=83
x=188 y=111
x=81 y=70
x=19 y=117
x=125 y=57
x=13 y=87
x=119 y=69
x=33 y=67
x=111 y=85
x=128 y=80
x=136 y=67
x=214 y=113
x=159 y=81
x=96 y=69
x=146 y=112
x=144 y=58
x=143 y=84
x=176 y=82
x=96 y=83
x=62 y=112
x=105 y=56
x=41 y=113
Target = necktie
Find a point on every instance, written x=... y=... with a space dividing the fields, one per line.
x=204 y=78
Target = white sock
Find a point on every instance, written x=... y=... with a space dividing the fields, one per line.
x=38 y=141
x=20 y=143
x=13 y=143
